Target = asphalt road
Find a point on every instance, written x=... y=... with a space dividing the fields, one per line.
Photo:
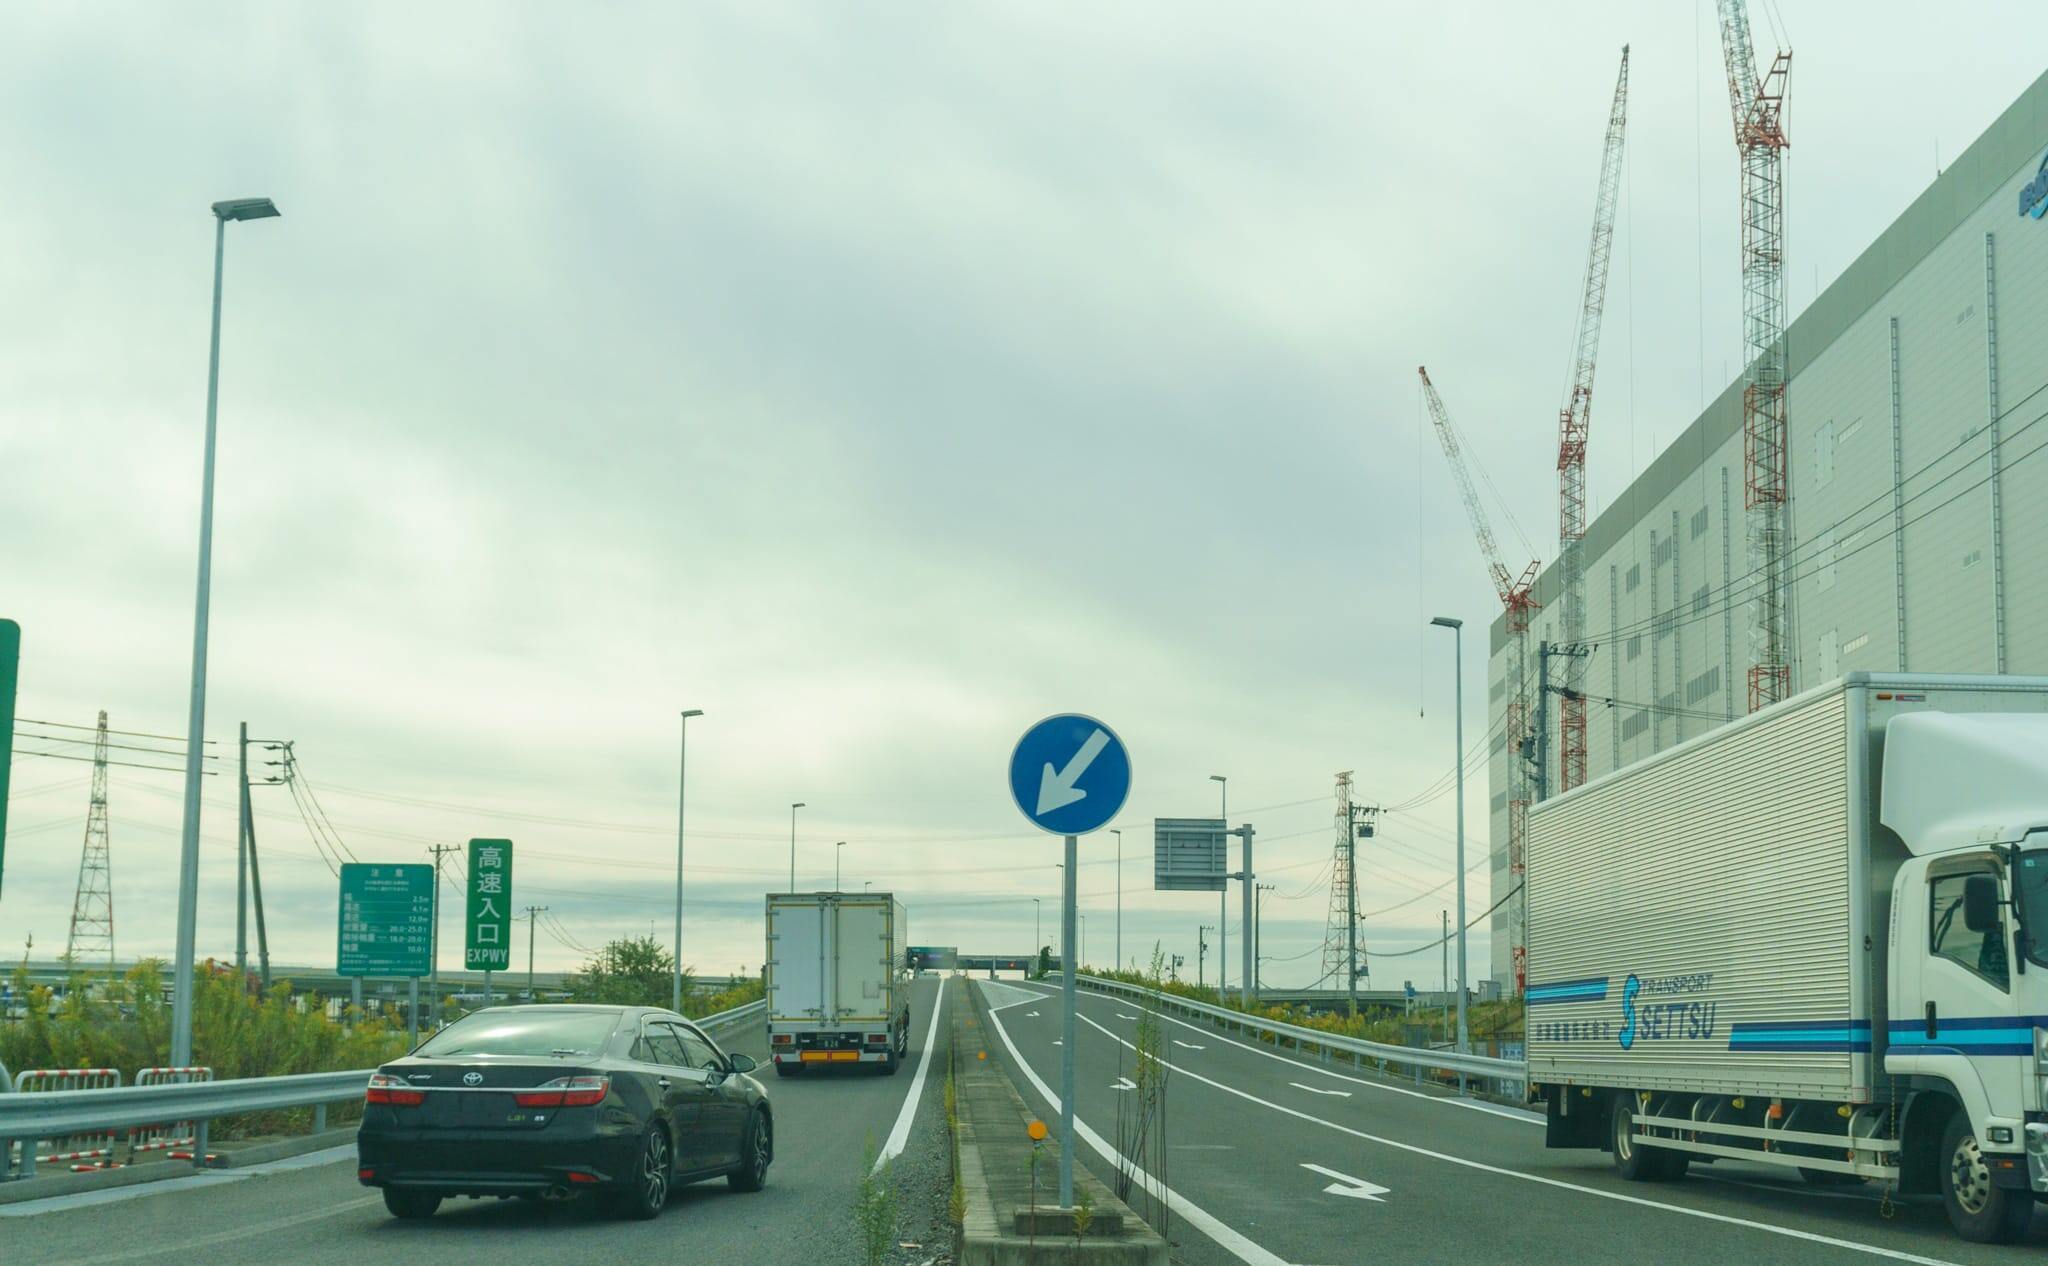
x=1451 y=1181
x=825 y=1126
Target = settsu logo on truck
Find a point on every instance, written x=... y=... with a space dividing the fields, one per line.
x=2034 y=194
x=1658 y=1021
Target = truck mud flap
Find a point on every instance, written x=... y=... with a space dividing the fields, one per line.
x=1572 y=1118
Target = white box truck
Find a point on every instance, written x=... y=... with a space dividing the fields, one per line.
x=1816 y=937
x=838 y=980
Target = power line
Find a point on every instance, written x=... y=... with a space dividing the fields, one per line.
x=67 y=725
x=1469 y=925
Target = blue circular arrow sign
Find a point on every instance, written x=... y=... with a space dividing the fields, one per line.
x=1070 y=774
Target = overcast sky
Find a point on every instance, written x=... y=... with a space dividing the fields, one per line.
x=877 y=379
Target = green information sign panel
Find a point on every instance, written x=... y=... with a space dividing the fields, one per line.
x=488 y=945
x=10 y=661
x=387 y=920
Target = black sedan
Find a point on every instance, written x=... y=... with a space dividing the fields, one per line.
x=549 y=1102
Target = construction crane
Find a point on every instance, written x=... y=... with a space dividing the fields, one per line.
x=1575 y=422
x=1517 y=600
x=1515 y=595
x=1757 y=104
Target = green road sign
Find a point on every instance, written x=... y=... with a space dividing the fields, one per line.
x=488 y=945
x=10 y=661
x=387 y=920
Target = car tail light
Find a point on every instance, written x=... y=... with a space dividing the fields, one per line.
x=565 y=1092
x=366 y=1174
x=384 y=1088
x=578 y=1176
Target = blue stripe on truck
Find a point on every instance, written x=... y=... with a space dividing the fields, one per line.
x=1801 y=1035
x=1591 y=989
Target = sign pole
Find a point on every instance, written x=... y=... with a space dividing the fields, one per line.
x=1247 y=983
x=412 y=1012
x=1067 y=972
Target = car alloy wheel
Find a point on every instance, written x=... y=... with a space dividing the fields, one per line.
x=654 y=1171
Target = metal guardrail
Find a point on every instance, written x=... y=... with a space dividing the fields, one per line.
x=25 y=1118
x=1405 y=1056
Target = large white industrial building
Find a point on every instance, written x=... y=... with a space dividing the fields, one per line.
x=1918 y=410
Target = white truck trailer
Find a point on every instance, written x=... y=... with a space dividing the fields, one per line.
x=838 y=980
x=1816 y=937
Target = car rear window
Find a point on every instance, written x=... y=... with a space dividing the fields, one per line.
x=523 y=1032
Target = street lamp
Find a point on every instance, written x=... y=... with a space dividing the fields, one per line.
x=682 y=768
x=792 y=843
x=1223 y=897
x=195 y=738
x=1457 y=628
x=1119 y=897
x=835 y=864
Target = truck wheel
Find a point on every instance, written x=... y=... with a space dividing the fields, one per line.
x=1632 y=1160
x=788 y=1070
x=1979 y=1210
x=890 y=1063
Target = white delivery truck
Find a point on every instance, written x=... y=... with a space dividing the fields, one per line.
x=838 y=980
x=1817 y=938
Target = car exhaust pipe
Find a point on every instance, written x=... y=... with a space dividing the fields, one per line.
x=558 y=1194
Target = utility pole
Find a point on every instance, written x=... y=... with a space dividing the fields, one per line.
x=1223 y=897
x=532 y=920
x=1360 y=831
x=242 y=859
x=434 y=957
x=1258 y=973
x=1444 y=981
x=1201 y=955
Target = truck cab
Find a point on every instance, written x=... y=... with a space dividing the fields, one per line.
x=1968 y=986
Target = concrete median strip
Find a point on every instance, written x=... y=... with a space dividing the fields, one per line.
x=1009 y=1219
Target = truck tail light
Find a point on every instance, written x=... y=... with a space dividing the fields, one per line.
x=877 y=1039
x=384 y=1088
x=782 y=1039
x=565 y=1092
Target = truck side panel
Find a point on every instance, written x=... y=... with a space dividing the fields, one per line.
x=1690 y=917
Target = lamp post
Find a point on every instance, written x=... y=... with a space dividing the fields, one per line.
x=1457 y=628
x=682 y=768
x=1037 y=937
x=1119 y=897
x=195 y=737
x=792 y=843
x=835 y=864
x=1223 y=897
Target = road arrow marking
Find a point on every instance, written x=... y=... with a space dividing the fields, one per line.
x=1124 y=1083
x=1057 y=790
x=1121 y=1016
x=1031 y=1013
x=1317 y=1090
x=1189 y=1045
x=1346 y=1185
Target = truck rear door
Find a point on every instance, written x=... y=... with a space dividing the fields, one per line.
x=859 y=975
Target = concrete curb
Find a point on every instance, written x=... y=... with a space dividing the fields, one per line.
x=160 y=1169
x=994 y=1158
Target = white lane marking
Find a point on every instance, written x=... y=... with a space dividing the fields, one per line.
x=900 y=1134
x=183 y=1182
x=1121 y=1016
x=1346 y=1185
x=1810 y=1237
x=1490 y=1109
x=1189 y=1045
x=993 y=989
x=1201 y=1219
x=238 y=1233
x=1314 y=1090
x=1124 y=1083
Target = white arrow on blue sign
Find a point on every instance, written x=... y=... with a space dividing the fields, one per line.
x=1070 y=774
